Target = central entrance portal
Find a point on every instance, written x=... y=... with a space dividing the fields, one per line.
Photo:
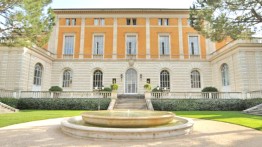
x=131 y=81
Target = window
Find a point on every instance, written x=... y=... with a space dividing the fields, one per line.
x=97 y=79
x=73 y=21
x=98 y=46
x=38 y=74
x=131 y=21
x=164 y=79
x=131 y=44
x=193 y=45
x=68 y=21
x=225 y=75
x=163 y=21
x=69 y=44
x=195 y=79
x=67 y=78
x=164 y=45
x=99 y=21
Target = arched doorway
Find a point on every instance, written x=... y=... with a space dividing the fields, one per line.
x=131 y=81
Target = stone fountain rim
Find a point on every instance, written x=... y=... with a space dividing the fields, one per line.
x=65 y=123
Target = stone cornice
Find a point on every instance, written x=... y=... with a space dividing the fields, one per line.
x=121 y=10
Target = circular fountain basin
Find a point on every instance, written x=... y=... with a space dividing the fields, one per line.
x=78 y=127
x=127 y=118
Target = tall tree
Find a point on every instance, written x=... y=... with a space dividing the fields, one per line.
x=25 y=22
x=218 y=19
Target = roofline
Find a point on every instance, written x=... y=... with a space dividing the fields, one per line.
x=120 y=9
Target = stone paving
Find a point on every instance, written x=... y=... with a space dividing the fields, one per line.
x=206 y=133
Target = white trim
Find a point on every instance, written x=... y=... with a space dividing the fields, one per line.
x=98 y=34
x=188 y=44
x=68 y=34
x=169 y=42
x=147 y=38
x=115 y=39
x=131 y=34
x=180 y=38
x=82 y=39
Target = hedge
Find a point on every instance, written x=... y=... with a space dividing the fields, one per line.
x=204 y=104
x=10 y=101
x=59 y=103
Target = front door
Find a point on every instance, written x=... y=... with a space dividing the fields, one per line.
x=131 y=81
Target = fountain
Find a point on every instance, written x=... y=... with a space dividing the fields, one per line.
x=126 y=125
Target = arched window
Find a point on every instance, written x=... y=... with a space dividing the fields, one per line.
x=97 y=79
x=38 y=74
x=195 y=79
x=67 y=78
x=225 y=74
x=164 y=79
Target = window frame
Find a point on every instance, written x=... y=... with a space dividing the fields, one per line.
x=165 y=79
x=93 y=44
x=97 y=79
x=199 y=47
x=159 y=44
x=225 y=76
x=38 y=74
x=67 y=83
x=136 y=49
x=195 y=79
x=64 y=36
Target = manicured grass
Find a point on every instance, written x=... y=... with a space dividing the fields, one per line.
x=33 y=115
x=234 y=117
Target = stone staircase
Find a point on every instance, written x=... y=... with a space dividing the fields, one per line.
x=134 y=101
x=256 y=110
x=7 y=109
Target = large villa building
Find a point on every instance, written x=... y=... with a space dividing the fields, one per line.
x=91 y=48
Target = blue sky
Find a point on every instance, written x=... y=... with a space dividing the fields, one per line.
x=121 y=3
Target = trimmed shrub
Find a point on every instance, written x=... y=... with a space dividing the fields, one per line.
x=107 y=89
x=63 y=103
x=55 y=88
x=157 y=90
x=147 y=87
x=209 y=89
x=204 y=104
x=10 y=101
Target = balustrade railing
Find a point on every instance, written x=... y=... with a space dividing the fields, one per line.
x=197 y=95
x=65 y=94
x=7 y=93
x=255 y=94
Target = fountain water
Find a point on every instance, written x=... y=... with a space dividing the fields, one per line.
x=126 y=125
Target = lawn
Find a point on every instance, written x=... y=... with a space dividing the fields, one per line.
x=33 y=115
x=234 y=117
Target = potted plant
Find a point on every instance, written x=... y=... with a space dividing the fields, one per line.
x=147 y=87
x=55 y=91
x=212 y=90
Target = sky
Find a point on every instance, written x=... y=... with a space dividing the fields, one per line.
x=121 y=3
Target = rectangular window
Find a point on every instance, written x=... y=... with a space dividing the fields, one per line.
x=164 y=45
x=68 y=21
x=131 y=44
x=69 y=43
x=131 y=21
x=73 y=21
x=163 y=21
x=98 y=46
x=99 y=21
x=193 y=45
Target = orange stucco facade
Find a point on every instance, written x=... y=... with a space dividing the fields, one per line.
x=177 y=48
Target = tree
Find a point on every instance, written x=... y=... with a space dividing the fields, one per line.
x=218 y=19
x=25 y=22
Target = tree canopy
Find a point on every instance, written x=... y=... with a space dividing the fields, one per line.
x=25 y=22
x=218 y=19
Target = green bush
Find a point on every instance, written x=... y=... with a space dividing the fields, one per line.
x=209 y=89
x=63 y=103
x=10 y=101
x=159 y=90
x=204 y=104
x=55 y=88
x=107 y=89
